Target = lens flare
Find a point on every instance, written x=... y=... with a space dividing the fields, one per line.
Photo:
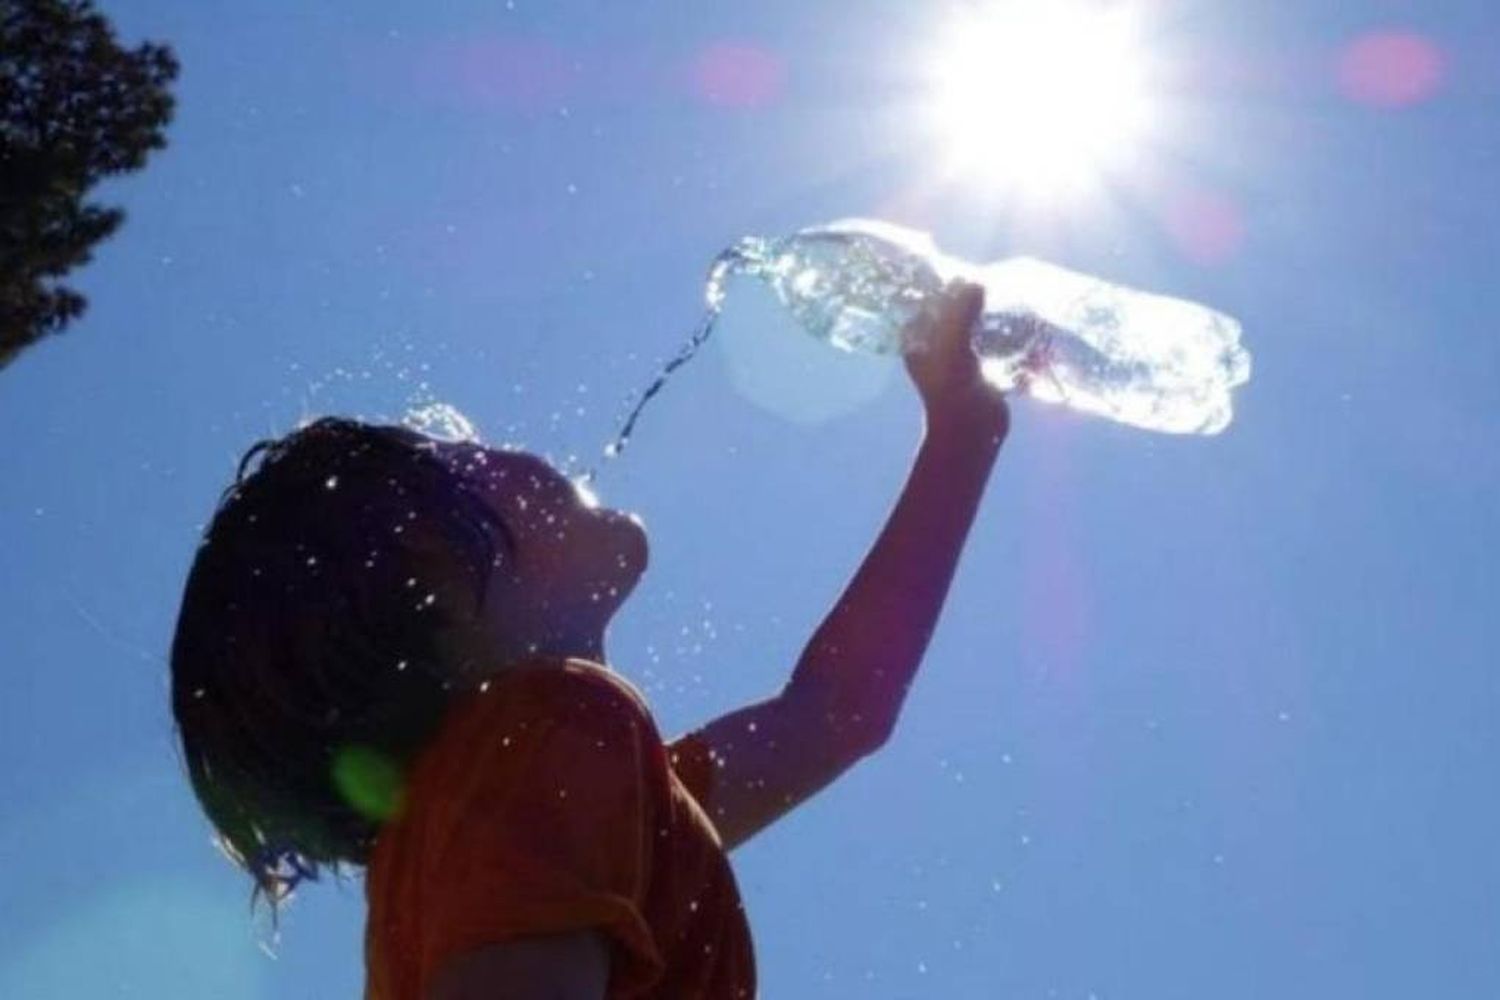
x=1041 y=96
x=1391 y=69
x=370 y=782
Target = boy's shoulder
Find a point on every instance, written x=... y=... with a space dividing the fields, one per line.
x=593 y=683
x=582 y=692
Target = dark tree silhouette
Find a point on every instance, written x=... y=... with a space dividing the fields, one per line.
x=75 y=107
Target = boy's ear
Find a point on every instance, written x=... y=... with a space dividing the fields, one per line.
x=442 y=576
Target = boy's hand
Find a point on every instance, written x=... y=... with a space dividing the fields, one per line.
x=945 y=369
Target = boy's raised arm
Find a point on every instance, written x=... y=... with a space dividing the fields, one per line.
x=846 y=691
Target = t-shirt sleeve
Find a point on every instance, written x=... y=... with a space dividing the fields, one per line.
x=693 y=762
x=554 y=832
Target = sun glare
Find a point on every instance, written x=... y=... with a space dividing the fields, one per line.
x=1040 y=97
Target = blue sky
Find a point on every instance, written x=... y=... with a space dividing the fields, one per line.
x=1204 y=717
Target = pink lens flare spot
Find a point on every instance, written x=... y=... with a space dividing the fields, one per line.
x=1208 y=228
x=1391 y=69
x=737 y=75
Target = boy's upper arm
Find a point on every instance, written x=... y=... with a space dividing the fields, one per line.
x=769 y=757
x=570 y=966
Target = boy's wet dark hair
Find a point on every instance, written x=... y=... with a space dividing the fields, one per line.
x=306 y=669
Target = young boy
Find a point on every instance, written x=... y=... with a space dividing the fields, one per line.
x=391 y=654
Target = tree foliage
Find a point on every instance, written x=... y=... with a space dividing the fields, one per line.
x=75 y=107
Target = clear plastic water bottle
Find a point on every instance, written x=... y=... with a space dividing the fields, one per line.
x=1146 y=360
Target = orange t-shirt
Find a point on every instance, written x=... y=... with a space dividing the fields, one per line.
x=549 y=803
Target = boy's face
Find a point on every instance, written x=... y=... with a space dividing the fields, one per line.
x=571 y=563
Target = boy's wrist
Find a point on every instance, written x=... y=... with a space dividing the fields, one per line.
x=978 y=415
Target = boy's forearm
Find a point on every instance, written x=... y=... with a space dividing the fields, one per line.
x=860 y=661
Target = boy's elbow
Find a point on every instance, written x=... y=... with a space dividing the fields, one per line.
x=853 y=725
x=863 y=731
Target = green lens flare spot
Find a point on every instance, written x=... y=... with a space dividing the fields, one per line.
x=369 y=781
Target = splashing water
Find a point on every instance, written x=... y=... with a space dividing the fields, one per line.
x=748 y=256
x=442 y=421
x=615 y=447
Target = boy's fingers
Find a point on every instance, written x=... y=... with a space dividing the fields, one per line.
x=964 y=305
x=957 y=311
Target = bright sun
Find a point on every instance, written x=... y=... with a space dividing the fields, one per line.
x=1042 y=98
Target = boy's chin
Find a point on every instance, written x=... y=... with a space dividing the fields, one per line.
x=631 y=550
